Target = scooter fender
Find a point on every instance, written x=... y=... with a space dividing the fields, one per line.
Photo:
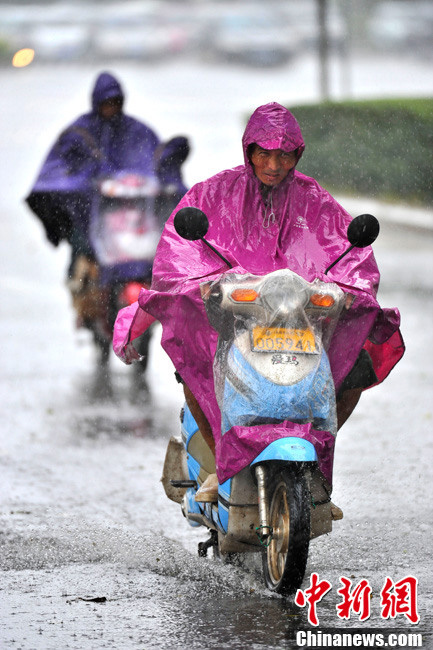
x=289 y=449
x=298 y=450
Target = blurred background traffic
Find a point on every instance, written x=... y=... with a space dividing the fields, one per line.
x=254 y=33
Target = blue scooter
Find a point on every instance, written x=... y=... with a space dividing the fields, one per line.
x=272 y=375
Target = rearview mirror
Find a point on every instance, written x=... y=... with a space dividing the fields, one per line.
x=363 y=230
x=191 y=223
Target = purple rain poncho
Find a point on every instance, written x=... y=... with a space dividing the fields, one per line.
x=307 y=234
x=89 y=148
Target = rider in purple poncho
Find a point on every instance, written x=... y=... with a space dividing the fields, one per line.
x=264 y=215
x=99 y=143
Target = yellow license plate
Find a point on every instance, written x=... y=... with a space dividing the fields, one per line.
x=283 y=339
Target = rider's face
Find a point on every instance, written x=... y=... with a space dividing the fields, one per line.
x=271 y=166
x=110 y=107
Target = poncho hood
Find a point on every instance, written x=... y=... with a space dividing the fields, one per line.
x=273 y=127
x=106 y=87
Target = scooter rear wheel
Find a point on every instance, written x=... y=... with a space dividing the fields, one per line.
x=285 y=559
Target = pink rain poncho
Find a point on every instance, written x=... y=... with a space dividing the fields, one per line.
x=299 y=226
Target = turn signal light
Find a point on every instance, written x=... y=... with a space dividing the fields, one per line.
x=244 y=295
x=322 y=300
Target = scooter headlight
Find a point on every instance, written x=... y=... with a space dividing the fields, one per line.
x=284 y=294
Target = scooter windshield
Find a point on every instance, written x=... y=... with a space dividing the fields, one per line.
x=271 y=363
x=123 y=226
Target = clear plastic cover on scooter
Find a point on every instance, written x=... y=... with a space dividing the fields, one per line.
x=125 y=227
x=271 y=363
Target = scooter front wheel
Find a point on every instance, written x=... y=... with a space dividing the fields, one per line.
x=285 y=559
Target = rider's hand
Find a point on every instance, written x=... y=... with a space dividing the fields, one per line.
x=53 y=238
x=349 y=300
x=205 y=290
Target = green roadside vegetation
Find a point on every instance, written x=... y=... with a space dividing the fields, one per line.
x=381 y=148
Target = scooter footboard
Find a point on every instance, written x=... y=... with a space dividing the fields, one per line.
x=239 y=514
x=320 y=513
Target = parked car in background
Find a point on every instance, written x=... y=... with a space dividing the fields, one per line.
x=145 y=40
x=402 y=26
x=59 y=41
x=149 y=31
x=129 y=30
x=252 y=35
x=185 y=25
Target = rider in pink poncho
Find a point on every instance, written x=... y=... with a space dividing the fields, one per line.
x=263 y=215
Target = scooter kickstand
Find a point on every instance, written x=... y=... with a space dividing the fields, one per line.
x=212 y=541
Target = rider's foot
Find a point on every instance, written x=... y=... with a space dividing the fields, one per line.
x=208 y=492
x=336 y=512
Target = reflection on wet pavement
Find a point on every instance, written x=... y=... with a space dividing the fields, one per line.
x=115 y=406
x=94 y=427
